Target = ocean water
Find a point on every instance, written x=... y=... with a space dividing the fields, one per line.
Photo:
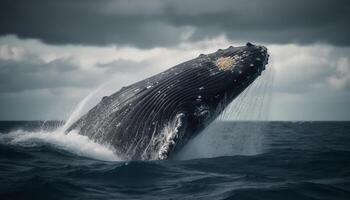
x=230 y=160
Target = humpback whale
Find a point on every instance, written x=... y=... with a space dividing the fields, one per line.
x=155 y=117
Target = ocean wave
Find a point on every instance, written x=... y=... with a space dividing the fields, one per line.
x=72 y=142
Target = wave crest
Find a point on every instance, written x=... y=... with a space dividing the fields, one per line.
x=72 y=142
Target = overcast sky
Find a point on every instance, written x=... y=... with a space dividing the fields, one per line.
x=55 y=53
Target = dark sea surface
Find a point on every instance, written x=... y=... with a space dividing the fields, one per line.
x=231 y=160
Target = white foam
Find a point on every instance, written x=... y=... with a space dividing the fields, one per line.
x=168 y=135
x=72 y=142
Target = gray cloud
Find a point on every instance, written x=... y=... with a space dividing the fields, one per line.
x=165 y=23
x=32 y=73
x=123 y=66
x=302 y=70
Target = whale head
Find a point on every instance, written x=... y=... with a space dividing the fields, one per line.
x=228 y=72
x=239 y=66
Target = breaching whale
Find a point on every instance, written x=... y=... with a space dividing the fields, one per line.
x=155 y=117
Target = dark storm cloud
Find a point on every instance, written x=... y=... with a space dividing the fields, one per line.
x=163 y=23
x=33 y=73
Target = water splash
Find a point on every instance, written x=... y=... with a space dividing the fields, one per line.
x=106 y=89
x=79 y=109
x=167 y=137
x=72 y=142
x=254 y=103
x=245 y=137
x=58 y=138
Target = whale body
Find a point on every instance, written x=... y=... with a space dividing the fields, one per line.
x=155 y=117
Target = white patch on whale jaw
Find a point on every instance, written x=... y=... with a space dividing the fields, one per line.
x=166 y=140
x=227 y=63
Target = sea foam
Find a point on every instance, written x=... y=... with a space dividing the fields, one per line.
x=71 y=142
